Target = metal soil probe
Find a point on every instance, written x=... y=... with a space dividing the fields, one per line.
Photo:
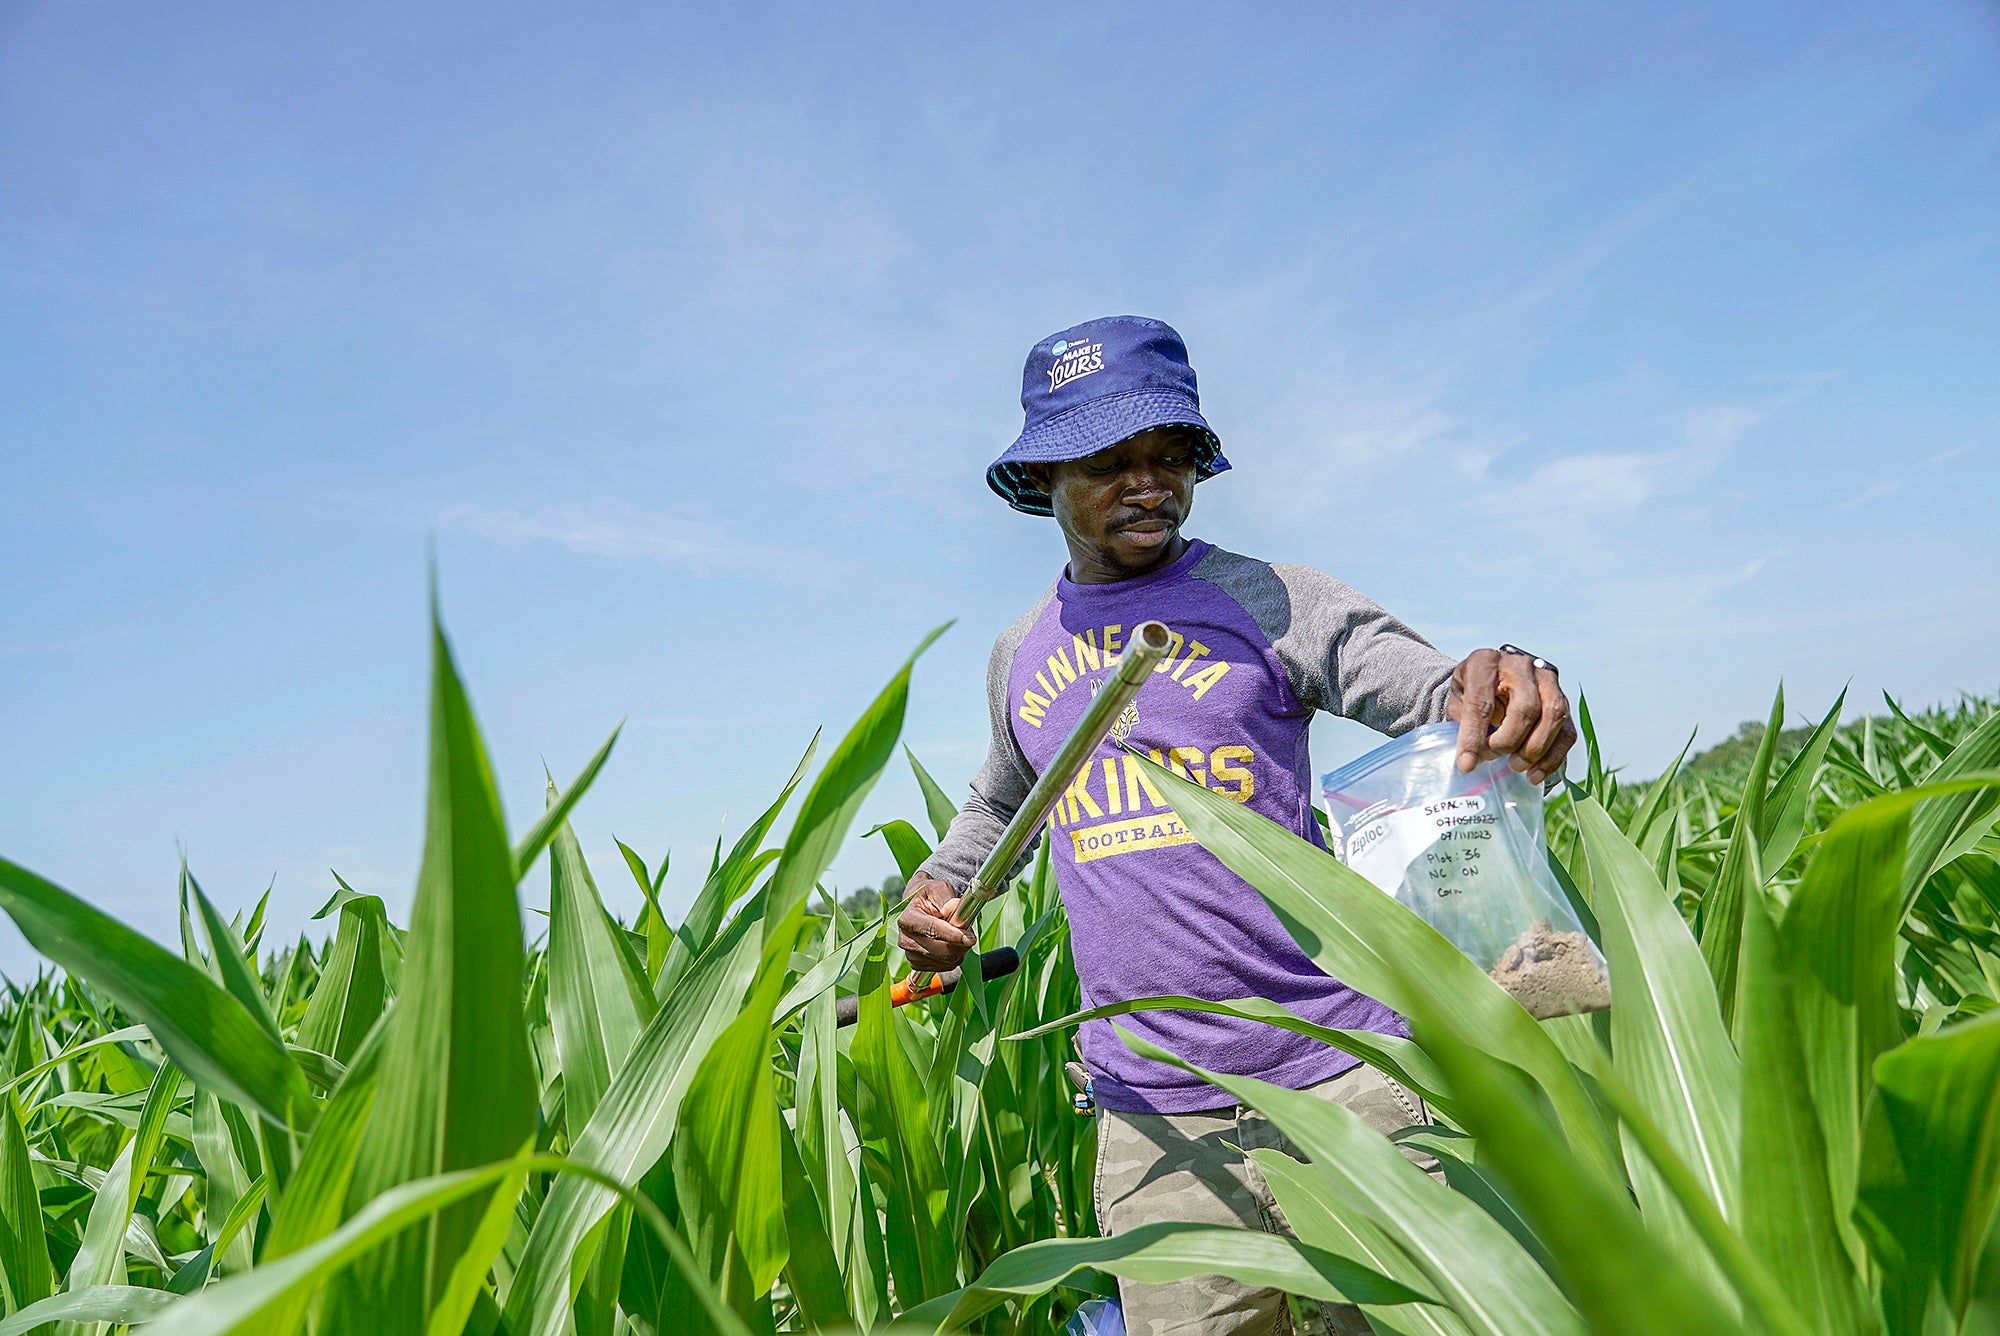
x=1148 y=644
x=1143 y=652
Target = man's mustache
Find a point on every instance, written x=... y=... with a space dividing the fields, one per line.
x=1168 y=512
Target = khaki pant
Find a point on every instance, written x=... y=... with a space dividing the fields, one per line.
x=1159 y=1166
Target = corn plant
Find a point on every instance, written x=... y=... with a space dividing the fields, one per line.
x=1784 y=1124
x=1789 y=1120
x=612 y=1129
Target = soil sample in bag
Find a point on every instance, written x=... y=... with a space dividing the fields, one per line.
x=1553 y=973
x=1466 y=853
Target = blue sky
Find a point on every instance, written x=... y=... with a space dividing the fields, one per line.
x=1660 y=339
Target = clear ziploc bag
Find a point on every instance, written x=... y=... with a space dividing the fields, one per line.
x=1466 y=853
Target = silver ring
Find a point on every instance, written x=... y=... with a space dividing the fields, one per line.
x=1535 y=660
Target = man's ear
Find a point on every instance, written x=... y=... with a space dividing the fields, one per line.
x=1041 y=475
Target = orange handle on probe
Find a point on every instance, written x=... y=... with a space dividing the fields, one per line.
x=995 y=964
x=902 y=994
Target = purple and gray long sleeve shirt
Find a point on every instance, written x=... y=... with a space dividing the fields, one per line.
x=1256 y=650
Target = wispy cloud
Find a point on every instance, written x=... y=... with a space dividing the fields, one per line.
x=618 y=529
x=1875 y=493
x=1605 y=488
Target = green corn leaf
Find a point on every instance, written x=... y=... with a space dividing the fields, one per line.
x=100 y=1259
x=322 y=1073
x=832 y=966
x=1668 y=1042
x=392 y=936
x=295 y=980
x=1396 y=1057
x=1658 y=794
x=315 y=1200
x=121 y=1109
x=24 y=1040
x=1008 y=1181
x=1594 y=773
x=253 y=931
x=812 y=1273
x=464 y=1284
x=150 y=1134
x=659 y=933
x=960 y=1059
x=1371 y=942
x=1166 y=1251
x=599 y=995
x=908 y=848
x=1791 y=797
x=1324 y=1220
x=727 y=881
x=217 y=1146
x=241 y=1305
x=208 y=1034
x=1745 y=1272
x=595 y=1311
x=190 y=944
x=822 y=1150
x=1930 y=741
x=1720 y=921
x=227 y=959
x=1852 y=766
x=1789 y=1219
x=704 y=922
x=896 y=1123
x=1620 y=1277
x=456 y=1087
x=1667 y=865
x=544 y=829
x=1839 y=935
x=634 y=1123
x=123 y=1035
x=1466 y=1258
x=1456 y=1154
x=339 y=899
x=194 y=1274
x=830 y=805
x=1582 y=1039
x=937 y=806
x=1930 y=1168
x=1953 y=822
x=26 y=1275
x=142 y=1243
x=727 y=1171
x=352 y=991
x=101 y=1303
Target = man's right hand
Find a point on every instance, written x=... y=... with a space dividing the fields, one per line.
x=927 y=932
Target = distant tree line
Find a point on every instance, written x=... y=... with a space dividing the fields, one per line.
x=865 y=902
x=1739 y=749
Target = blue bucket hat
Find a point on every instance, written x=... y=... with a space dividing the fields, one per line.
x=1094 y=385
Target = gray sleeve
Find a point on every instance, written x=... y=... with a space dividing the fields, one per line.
x=1341 y=652
x=1002 y=782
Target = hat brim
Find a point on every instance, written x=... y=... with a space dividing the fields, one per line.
x=1093 y=426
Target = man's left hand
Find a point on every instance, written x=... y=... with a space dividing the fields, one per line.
x=1523 y=706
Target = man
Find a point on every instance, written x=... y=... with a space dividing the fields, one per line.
x=1113 y=445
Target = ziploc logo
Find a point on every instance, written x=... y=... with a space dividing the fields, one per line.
x=1072 y=361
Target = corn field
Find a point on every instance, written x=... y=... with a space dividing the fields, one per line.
x=1788 y=1122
